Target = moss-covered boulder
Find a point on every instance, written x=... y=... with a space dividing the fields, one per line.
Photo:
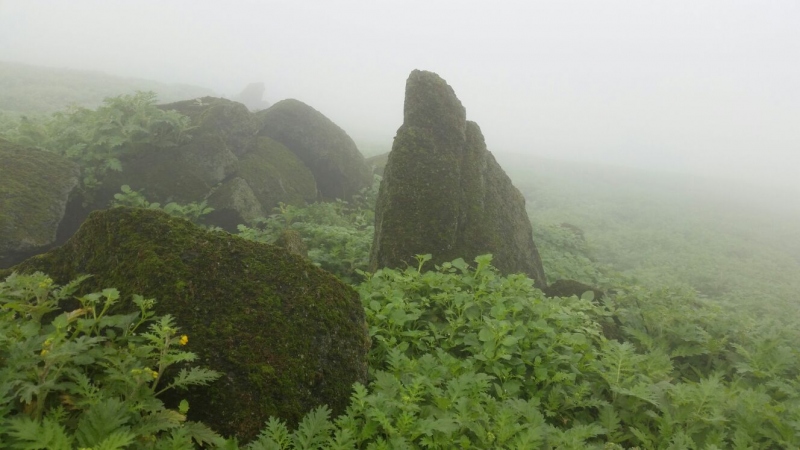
x=338 y=167
x=443 y=192
x=287 y=335
x=223 y=151
x=293 y=242
x=276 y=175
x=220 y=117
x=234 y=203
x=34 y=189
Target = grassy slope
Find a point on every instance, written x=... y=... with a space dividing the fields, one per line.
x=28 y=89
x=731 y=243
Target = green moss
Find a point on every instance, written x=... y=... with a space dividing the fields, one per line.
x=34 y=189
x=230 y=120
x=276 y=175
x=338 y=167
x=293 y=242
x=241 y=303
x=443 y=193
x=234 y=203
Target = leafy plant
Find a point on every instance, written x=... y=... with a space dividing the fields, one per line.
x=193 y=211
x=74 y=374
x=98 y=139
x=338 y=234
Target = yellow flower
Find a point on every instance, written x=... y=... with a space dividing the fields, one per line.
x=154 y=373
x=184 y=339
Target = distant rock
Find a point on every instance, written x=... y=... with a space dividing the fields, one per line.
x=338 y=167
x=35 y=187
x=443 y=192
x=253 y=97
x=242 y=304
x=378 y=163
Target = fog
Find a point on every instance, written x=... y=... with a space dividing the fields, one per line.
x=708 y=87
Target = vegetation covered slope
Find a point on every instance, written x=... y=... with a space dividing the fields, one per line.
x=694 y=347
x=731 y=243
x=26 y=89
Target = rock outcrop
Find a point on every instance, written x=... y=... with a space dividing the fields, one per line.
x=252 y=96
x=443 y=192
x=35 y=187
x=241 y=175
x=241 y=303
x=338 y=167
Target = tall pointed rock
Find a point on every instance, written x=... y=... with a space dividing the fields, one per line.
x=443 y=192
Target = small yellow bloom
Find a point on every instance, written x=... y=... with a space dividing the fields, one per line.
x=184 y=339
x=154 y=373
x=44 y=352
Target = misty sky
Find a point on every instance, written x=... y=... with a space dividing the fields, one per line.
x=708 y=87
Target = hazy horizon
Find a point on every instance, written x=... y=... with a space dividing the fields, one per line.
x=708 y=88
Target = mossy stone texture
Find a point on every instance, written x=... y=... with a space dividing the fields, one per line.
x=443 y=192
x=34 y=190
x=286 y=335
x=338 y=167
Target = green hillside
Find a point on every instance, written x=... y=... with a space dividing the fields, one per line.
x=26 y=89
x=693 y=345
x=733 y=243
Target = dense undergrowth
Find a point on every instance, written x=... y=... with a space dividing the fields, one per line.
x=693 y=347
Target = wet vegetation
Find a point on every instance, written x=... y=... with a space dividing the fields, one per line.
x=692 y=346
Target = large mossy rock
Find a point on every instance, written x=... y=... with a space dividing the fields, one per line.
x=338 y=167
x=35 y=187
x=276 y=175
x=223 y=151
x=443 y=193
x=220 y=117
x=286 y=335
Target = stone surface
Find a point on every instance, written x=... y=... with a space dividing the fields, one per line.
x=276 y=175
x=443 y=193
x=338 y=167
x=240 y=302
x=292 y=241
x=234 y=203
x=35 y=187
x=252 y=96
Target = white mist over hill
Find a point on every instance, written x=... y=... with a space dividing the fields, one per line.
x=705 y=88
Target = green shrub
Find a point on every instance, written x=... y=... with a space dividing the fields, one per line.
x=98 y=139
x=75 y=375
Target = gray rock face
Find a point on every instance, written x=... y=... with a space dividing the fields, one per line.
x=252 y=96
x=338 y=167
x=34 y=190
x=443 y=192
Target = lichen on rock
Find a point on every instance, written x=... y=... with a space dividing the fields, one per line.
x=443 y=193
x=242 y=304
